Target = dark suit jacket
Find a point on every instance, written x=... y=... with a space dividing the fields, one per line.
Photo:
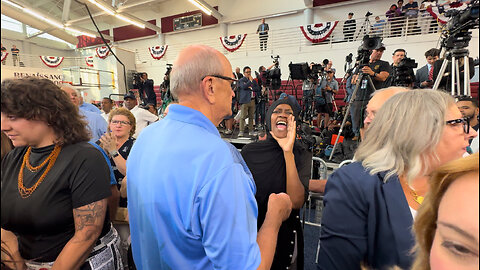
x=364 y=220
x=445 y=82
x=421 y=76
x=245 y=88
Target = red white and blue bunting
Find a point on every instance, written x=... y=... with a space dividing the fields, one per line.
x=440 y=17
x=233 y=43
x=102 y=52
x=318 y=32
x=157 y=52
x=89 y=61
x=52 y=61
x=4 y=56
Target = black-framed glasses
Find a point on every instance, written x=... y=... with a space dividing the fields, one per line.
x=464 y=121
x=123 y=123
x=221 y=77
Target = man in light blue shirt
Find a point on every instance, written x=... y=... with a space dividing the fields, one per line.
x=88 y=107
x=96 y=124
x=191 y=196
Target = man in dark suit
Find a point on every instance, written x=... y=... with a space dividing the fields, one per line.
x=424 y=75
x=247 y=89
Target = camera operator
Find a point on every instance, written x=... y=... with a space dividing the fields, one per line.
x=308 y=88
x=145 y=89
x=424 y=75
x=328 y=86
x=396 y=78
x=378 y=70
x=262 y=96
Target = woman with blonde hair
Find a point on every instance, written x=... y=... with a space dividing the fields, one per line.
x=370 y=204
x=118 y=142
x=446 y=227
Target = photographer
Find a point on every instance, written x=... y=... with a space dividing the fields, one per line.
x=324 y=98
x=378 y=71
x=308 y=88
x=401 y=75
x=145 y=89
x=261 y=96
x=424 y=75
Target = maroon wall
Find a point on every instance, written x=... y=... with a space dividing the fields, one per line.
x=132 y=31
x=317 y=3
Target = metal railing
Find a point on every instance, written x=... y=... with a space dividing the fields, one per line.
x=290 y=37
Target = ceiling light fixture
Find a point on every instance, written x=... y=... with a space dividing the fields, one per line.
x=123 y=18
x=102 y=7
x=80 y=33
x=47 y=20
x=201 y=7
x=12 y=4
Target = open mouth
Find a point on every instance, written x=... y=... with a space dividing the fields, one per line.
x=281 y=125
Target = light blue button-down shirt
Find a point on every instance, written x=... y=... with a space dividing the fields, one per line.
x=191 y=197
x=96 y=124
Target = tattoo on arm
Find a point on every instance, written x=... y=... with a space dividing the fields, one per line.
x=90 y=218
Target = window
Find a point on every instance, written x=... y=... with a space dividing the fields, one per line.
x=11 y=24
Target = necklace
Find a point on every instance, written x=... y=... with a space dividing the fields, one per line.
x=26 y=192
x=416 y=197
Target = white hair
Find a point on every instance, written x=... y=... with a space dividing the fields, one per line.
x=404 y=134
x=186 y=78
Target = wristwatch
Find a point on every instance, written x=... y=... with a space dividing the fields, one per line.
x=374 y=74
x=114 y=154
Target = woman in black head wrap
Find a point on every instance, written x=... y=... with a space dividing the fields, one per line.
x=281 y=164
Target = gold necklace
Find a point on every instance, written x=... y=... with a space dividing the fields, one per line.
x=26 y=192
x=416 y=197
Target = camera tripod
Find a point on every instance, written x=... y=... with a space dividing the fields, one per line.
x=453 y=57
x=366 y=25
x=361 y=78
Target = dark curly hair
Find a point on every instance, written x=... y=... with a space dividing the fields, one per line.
x=34 y=98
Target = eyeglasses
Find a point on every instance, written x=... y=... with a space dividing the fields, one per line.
x=464 y=121
x=221 y=77
x=123 y=123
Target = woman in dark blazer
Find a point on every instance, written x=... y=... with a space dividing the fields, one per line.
x=370 y=204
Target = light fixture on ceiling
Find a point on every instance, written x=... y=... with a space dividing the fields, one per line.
x=80 y=33
x=123 y=18
x=102 y=7
x=43 y=18
x=12 y=4
x=201 y=7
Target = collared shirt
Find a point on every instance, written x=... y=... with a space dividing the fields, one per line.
x=96 y=124
x=143 y=118
x=90 y=107
x=105 y=116
x=328 y=94
x=191 y=197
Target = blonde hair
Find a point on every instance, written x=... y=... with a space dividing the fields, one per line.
x=125 y=112
x=425 y=223
x=403 y=136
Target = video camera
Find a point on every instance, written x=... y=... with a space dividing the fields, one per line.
x=169 y=69
x=273 y=76
x=365 y=50
x=457 y=33
x=403 y=74
x=368 y=14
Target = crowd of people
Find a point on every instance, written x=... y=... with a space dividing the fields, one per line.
x=194 y=200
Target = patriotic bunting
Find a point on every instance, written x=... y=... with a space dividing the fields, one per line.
x=318 y=32
x=102 y=52
x=89 y=61
x=4 y=56
x=157 y=52
x=233 y=43
x=440 y=16
x=52 y=61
